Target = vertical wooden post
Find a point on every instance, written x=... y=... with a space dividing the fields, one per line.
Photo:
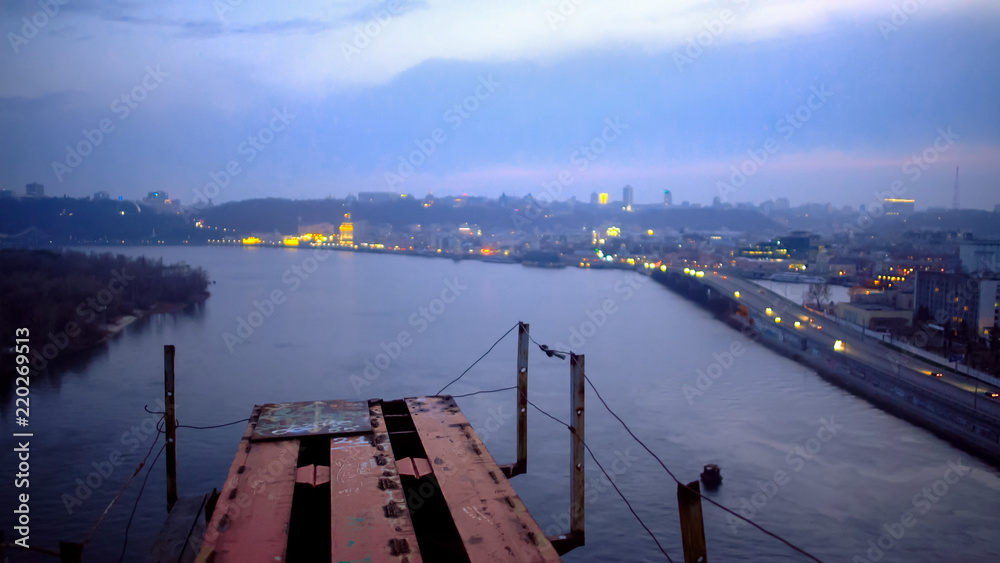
x=523 y=344
x=576 y=502
x=171 y=424
x=692 y=525
x=70 y=552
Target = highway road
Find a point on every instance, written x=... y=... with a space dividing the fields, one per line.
x=826 y=331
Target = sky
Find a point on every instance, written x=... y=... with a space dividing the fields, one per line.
x=844 y=101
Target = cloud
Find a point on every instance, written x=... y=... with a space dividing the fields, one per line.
x=313 y=47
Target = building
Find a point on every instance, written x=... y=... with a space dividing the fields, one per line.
x=628 y=198
x=101 y=196
x=603 y=198
x=979 y=255
x=377 y=197
x=897 y=207
x=594 y=198
x=942 y=297
x=347 y=230
x=6 y=194
x=668 y=198
x=156 y=197
x=34 y=189
x=798 y=246
x=874 y=316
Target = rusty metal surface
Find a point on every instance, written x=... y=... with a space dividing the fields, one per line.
x=250 y=521
x=369 y=519
x=414 y=466
x=313 y=475
x=490 y=518
x=312 y=418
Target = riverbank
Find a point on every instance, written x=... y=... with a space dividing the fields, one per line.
x=68 y=301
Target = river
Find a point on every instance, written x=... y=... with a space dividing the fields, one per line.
x=833 y=472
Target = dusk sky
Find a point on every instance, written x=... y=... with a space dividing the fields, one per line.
x=314 y=99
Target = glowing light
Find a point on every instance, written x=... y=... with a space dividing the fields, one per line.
x=768 y=311
x=797 y=324
x=251 y=240
x=614 y=231
x=838 y=346
x=663 y=268
x=603 y=198
x=290 y=242
x=736 y=294
x=777 y=319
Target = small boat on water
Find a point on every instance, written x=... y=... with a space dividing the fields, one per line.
x=711 y=476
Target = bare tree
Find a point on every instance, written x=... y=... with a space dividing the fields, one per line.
x=818 y=292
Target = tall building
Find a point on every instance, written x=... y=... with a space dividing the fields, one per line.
x=347 y=230
x=897 y=207
x=594 y=198
x=628 y=197
x=603 y=198
x=979 y=255
x=34 y=189
x=668 y=198
x=947 y=297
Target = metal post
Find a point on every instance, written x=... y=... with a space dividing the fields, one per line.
x=522 y=399
x=692 y=525
x=171 y=425
x=576 y=503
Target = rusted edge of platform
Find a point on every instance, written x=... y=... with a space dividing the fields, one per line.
x=491 y=519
